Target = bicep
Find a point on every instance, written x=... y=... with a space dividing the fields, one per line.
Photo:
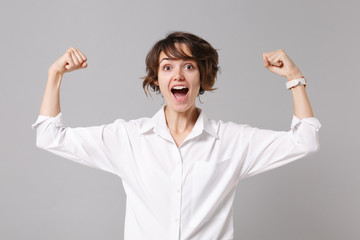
x=265 y=149
x=91 y=146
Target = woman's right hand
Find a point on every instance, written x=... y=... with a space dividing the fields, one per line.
x=72 y=60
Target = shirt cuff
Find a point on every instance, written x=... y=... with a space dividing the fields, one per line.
x=57 y=120
x=311 y=120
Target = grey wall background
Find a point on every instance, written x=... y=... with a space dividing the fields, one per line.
x=43 y=196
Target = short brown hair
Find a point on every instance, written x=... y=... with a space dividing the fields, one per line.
x=201 y=51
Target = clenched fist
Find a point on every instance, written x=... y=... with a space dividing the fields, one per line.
x=280 y=63
x=72 y=60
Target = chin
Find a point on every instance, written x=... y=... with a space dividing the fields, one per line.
x=181 y=108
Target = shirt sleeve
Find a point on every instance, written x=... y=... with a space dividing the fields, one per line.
x=264 y=149
x=95 y=146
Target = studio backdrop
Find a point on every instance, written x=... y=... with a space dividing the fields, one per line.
x=43 y=196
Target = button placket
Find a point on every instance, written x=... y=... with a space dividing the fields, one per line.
x=178 y=190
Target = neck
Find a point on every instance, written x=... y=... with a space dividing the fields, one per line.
x=180 y=122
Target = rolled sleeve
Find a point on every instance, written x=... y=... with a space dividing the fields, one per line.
x=312 y=121
x=57 y=120
x=306 y=133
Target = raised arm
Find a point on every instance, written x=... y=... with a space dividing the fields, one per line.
x=280 y=63
x=100 y=147
x=72 y=60
x=265 y=149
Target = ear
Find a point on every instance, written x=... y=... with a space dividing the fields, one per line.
x=156 y=82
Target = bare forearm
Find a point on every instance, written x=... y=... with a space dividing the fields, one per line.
x=302 y=106
x=50 y=105
x=280 y=63
x=71 y=60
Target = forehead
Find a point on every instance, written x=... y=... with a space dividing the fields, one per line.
x=180 y=50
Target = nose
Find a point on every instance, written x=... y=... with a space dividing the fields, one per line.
x=178 y=74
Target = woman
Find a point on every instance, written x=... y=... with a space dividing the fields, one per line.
x=179 y=168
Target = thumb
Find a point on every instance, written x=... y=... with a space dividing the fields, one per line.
x=84 y=65
x=266 y=62
x=67 y=66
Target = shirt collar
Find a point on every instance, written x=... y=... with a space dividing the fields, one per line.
x=158 y=124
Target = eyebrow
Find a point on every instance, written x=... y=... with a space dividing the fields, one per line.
x=170 y=59
x=165 y=59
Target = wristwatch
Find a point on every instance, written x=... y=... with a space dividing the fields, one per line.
x=296 y=82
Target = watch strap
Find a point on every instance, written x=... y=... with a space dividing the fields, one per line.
x=295 y=82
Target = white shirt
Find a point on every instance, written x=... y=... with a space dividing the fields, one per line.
x=178 y=193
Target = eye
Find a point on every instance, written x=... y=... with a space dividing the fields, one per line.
x=166 y=68
x=189 y=66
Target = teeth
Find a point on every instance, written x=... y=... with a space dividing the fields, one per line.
x=179 y=87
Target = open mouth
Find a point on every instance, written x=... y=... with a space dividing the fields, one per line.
x=180 y=92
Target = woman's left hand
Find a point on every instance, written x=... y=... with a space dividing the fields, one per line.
x=280 y=63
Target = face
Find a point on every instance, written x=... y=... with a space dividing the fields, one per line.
x=179 y=81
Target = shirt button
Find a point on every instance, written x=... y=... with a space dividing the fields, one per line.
x=178 y=190
x=176 y=219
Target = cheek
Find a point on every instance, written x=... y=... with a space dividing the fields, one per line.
x=197 y=82
x=163 y=83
